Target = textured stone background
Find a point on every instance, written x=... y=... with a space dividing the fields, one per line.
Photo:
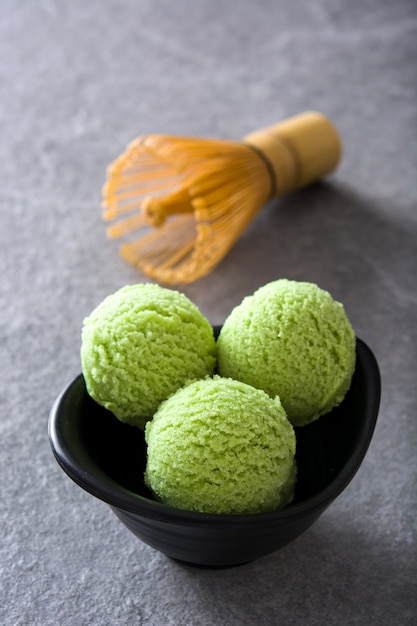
x=77 y=81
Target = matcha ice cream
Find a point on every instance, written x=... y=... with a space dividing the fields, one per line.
x=293 y=340
x=221 y=446
x=140 y=345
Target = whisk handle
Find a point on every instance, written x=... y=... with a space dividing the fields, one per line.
x=299 y=150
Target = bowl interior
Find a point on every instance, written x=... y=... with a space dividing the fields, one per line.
x=107 y=457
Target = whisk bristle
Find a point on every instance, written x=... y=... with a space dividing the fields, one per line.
x=198 y=194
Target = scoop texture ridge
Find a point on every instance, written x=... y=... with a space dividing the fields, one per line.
x=221 y=446
x=291 y=339
x=140 y=345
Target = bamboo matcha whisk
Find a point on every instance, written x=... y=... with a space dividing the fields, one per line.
x=187 y=200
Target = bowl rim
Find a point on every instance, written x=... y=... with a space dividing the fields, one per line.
x=115 y=495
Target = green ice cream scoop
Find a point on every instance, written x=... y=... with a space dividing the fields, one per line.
x=140 y=345
x=294 y=340
x=221 y=446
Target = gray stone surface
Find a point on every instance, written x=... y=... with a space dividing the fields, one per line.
x=77 y=81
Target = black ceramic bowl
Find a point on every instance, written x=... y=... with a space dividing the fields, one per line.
x=107 y=459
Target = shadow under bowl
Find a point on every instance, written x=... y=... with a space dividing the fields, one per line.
x=107 y=459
